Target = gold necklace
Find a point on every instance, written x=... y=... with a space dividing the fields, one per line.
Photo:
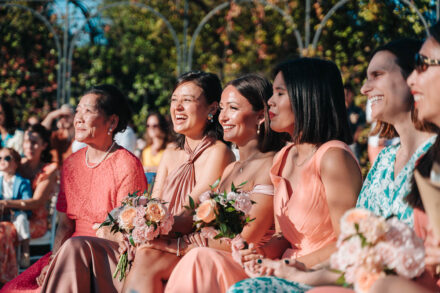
x=241 y=163
x=307 y=158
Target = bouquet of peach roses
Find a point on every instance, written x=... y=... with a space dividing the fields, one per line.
x=222 y=215
x=139 y=219
x=370 y=247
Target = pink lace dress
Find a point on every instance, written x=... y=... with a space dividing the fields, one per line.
x=86 y=196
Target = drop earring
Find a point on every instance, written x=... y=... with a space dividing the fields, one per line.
x=109 y=132
x=211 y=118
x=258 y=129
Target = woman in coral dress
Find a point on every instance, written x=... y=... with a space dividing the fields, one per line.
x=93 y=180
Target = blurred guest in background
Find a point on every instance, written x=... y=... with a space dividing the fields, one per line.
x=157 y=138
x=64 y=133
x=10 y=136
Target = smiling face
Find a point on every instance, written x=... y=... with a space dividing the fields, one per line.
x=238 y=119
x=33 y=145
x=7 y=163
x=189 y=110
x=91 y=124
x=281 y=115
x=386 y=88
x=425 y=86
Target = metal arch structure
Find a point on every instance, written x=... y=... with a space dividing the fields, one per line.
x=227 y=4
x=184 y=52
x=116 y=4
x=55 y=37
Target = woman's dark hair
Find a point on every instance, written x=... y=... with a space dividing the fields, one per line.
x=404 y=51
x=317 y=98
x=424 y=166
x=112 y=102
x=258 y=90
x=212 y=90
x=9 y=123
x=164 y=128
x=45 y=134
x=434 y=31
x=15 y=156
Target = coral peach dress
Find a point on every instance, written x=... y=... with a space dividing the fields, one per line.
x=302 y=213
x=86 y=196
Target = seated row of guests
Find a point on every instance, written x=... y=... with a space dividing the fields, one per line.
x=388 y=186
x=199 y=157
x=315 y=178
x=37 y=172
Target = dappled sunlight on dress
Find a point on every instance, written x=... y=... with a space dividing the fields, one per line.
x=302 y=211
x=86 y=196
x=303 y=215
x=205 y=269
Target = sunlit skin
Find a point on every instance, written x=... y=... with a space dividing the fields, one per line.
x=189 y=110
x=280 y=110
x=386 y=89
x=91 y=126
x=238 y=119
x=425 y=86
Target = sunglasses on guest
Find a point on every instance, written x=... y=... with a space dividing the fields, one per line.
x=6 y=158
x=422 y=62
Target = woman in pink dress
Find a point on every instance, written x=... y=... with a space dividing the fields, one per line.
x=189 y=169
x=93 y=180
x=245 y=121
x=316 y=178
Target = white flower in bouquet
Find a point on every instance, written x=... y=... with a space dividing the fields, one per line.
x=205 y=196
x=231 y=196
x=243 y=203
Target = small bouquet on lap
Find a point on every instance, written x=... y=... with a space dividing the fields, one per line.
x=370 y=247
x=222 y=215
x=140 y=219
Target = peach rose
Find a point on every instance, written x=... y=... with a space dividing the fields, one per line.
x=365 y=279
x=206 y=211
x=350 y=218
x=156 y=212
x=126 y=218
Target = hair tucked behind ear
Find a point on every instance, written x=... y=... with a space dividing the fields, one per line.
x=212 y=90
